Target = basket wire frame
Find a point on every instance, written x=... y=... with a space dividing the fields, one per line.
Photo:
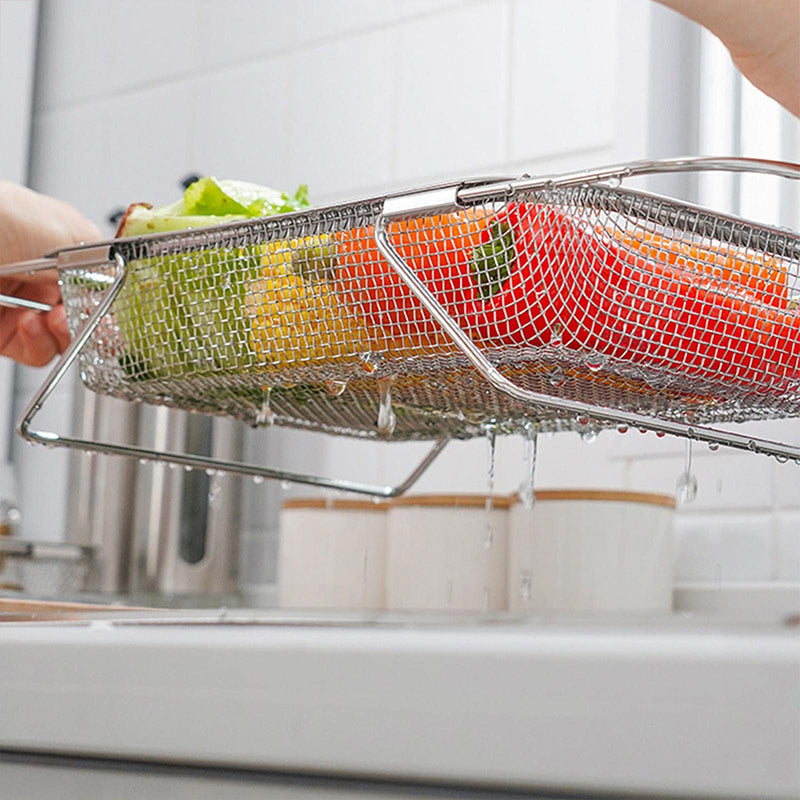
x=561 y=301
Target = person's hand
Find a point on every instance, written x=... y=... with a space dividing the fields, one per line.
x=763 y=38
x=31 y=225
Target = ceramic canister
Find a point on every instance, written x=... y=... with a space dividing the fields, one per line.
x=332 y=554
x=447 y=552
x=591 y=550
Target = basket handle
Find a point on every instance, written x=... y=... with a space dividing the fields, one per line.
x=760 y=166
x=442 y=201
x=35 y=265
x=52 y=439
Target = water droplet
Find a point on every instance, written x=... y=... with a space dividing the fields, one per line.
x=187 y=468
x=258 y=479
x=752 y=446
x=781 y=459
x=582 y=420
x=525 y=585
x=555 y=334
x=371 y=361
x=172 y=465
x=143 y=462
x=335 y=388
x=660 y=434
x=713 y=446
x=556 y=376
x=622 y=428
x=265 y=417
x=594 y=363
x=286 y=485
x=211 y=473
x=589 y=436
x=386 y=416
x=614 y=182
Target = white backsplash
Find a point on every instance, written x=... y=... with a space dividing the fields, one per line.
x=356 y=97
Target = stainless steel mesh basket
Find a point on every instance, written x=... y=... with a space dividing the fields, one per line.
x=565 y=301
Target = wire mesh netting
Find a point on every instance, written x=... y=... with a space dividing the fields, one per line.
x=589 y=293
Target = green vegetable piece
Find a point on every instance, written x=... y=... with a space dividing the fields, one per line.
x=183 y=315
x=492 y=262
x=212 y=197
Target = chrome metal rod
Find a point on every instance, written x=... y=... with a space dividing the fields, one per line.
x=34 y=265
x=599 y=413
x=8 y=301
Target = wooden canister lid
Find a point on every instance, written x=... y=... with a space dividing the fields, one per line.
x=342 y=504
x=603 y=495
x=453 y=500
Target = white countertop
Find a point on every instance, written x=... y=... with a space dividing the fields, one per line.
x=676 y=705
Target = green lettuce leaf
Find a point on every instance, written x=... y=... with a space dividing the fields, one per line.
x=184 y=314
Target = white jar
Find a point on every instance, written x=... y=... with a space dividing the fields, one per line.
x=586 y=550
x=332 y=554
x=447 y=552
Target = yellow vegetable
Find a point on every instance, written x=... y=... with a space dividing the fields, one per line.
x=296 y=316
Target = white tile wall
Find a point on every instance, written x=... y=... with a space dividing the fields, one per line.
x=562 y=88
x=361 y=96
x=95 y=48
x=451 y=92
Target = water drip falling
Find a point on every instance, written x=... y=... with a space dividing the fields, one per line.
x=686 y=487
x=387 y=419
x=214 y=488
x=265 y=417
x=526 y=490
x=488 y=540
x=490 y=429
x=525 y=585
